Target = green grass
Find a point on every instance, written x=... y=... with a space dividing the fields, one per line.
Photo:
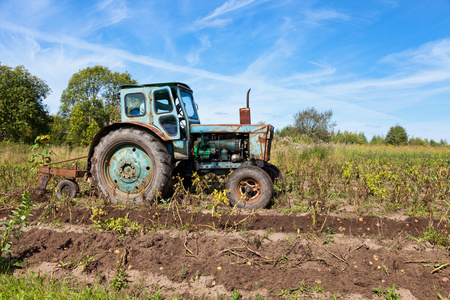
x=34 y=286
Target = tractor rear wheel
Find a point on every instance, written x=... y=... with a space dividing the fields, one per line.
x=249 y=187
x=130 y=165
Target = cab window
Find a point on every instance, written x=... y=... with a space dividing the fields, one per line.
x=135 y=104
x=163 y=104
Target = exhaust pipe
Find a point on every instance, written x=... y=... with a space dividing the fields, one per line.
x=244 y=113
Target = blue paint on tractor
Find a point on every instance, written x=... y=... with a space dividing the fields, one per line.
x=169 y=112
x=129 y=168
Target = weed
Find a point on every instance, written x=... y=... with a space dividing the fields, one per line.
x=236 y=295
x=436 y=237
x=197 y=275
x=118 y=225
x=82 y=261
x=183 y=271
x=12 y=229
x=119 y=281
x=388 y=294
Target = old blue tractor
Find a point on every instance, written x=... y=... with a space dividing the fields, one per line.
x=161 y=136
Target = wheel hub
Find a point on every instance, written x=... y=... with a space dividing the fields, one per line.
x=250 y=190
x=129 y=169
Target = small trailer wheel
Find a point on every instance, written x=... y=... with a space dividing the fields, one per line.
x=66 y=188
x=249 y=187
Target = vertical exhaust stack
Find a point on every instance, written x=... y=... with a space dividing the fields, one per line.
x=244 y=113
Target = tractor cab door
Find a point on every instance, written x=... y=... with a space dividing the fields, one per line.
x=164 y=113
x=135 y=106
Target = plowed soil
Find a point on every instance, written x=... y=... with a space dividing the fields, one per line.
x=195 y=255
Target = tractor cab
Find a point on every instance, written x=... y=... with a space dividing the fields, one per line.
x=168 y=108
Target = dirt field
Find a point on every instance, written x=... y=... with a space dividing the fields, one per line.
x=264 y=255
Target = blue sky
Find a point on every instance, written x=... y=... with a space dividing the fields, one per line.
x=376 y=64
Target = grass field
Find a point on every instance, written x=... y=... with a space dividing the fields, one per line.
x=408 y=179
x=319 y=179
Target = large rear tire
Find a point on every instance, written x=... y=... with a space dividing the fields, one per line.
x=249 y=187
x=130 y=165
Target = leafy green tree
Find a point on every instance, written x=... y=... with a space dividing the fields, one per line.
x=91 y=101
x=377 y=140
x=23 y=115
x=417 y=142
x=317 y=125
x=285 y=131
x=397 y=136
x=58 y=129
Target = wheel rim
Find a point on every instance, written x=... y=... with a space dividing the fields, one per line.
x=65 y=190
x=248 y=190
x=127 y=169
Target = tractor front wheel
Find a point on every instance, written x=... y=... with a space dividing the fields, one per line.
x=249 y=187
x=130 y=165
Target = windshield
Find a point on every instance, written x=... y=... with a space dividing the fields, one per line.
x=189 y=104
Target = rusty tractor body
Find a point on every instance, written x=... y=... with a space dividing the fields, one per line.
x=160 y=136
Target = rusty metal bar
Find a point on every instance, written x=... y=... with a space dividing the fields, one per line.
x=62 y=161
x=61 y=172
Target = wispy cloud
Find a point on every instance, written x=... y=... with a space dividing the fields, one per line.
x=319 y=15
x=228 y=6
x=213 y=20
x=194 y=56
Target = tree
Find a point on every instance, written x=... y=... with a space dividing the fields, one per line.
x=397 y=136
x=417 y=142
x=377 y=140
x=91 y=101
x=23 y=115
x=349 y=138
x=314 y=124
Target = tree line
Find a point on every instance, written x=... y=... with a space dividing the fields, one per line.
x=312 y=126
x=91 y=101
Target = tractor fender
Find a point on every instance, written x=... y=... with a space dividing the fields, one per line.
x=105 y=130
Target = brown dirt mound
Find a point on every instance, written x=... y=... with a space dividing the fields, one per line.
x=268 y=254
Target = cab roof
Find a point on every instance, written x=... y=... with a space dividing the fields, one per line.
x=170 y=84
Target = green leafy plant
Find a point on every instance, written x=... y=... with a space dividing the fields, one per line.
x=43 y=156
x=236 y=295
x=388 y=294
x=119 y=281
x=183 y=271
x=118 y=225
x=436 y=237
x=12 y=229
